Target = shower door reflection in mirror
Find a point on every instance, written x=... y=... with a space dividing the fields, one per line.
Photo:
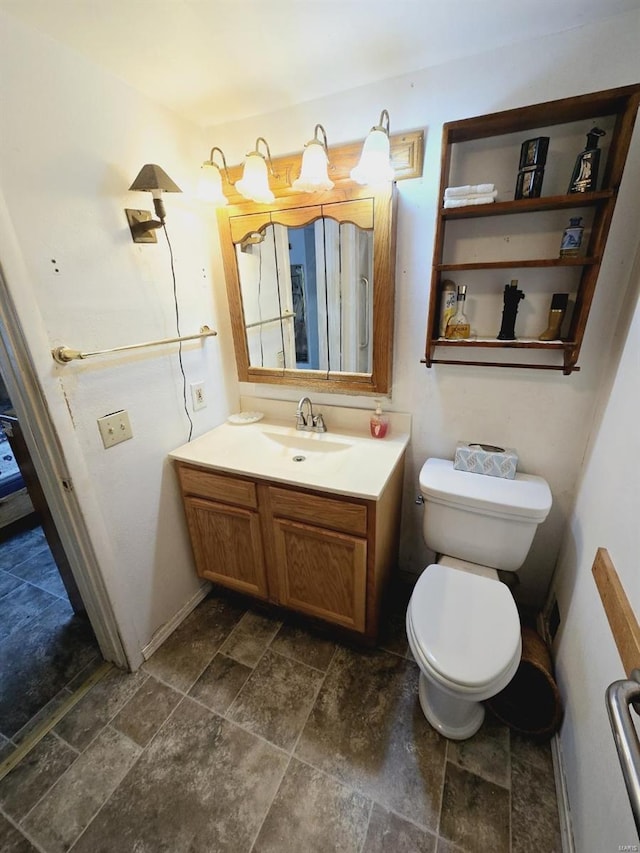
x=307 y=296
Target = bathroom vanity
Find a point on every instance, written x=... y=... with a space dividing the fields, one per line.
x=318 y=536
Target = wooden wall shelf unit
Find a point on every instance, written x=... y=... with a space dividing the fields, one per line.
x=490 y=135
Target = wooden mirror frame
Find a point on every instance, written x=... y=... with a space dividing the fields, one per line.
x=297 y=209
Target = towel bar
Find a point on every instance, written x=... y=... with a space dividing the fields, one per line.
x=63 y=355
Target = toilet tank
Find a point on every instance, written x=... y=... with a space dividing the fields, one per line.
x=486 y=520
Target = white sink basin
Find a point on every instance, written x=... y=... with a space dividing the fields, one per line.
x=306 y=442
x=346 y=462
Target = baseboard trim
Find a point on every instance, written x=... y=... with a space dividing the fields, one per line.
x=562 y=793
x=169 y=627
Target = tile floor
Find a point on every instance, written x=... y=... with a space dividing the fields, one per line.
x=243 y=733
x=43 y=644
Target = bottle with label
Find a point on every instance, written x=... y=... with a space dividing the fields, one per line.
x=447 y=304
x=379 y=423
x=572 y=238
x=458 y=327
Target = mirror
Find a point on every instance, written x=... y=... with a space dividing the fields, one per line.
x=311 y=289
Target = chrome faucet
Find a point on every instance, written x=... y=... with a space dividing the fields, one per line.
x=308 y=422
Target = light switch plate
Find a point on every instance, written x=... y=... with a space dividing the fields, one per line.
x=115 y=428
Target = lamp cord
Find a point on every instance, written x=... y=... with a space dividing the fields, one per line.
x=175 y=302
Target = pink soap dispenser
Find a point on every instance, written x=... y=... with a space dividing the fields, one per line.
x=379 y=423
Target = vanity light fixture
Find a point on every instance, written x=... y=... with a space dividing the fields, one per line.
x=375 y=164
x=315 y=161
x=210 y=183
x=153 y=179
x=254 y=184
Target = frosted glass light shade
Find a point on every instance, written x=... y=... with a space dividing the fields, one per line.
x=210 y=185
x=374 y=166
x=313 y=172
x=254 y=183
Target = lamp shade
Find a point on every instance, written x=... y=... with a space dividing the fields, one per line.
x=313 y=172
x=254 y=183
x=210 y=185
x=374 y=166
x=152 y=178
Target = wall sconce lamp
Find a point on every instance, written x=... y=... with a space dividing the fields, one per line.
x=375 y=164
x=315 y=161
x=210 y=183
x=155 y=180
x=254 y=184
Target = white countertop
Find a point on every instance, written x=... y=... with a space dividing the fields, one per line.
x=346 y=462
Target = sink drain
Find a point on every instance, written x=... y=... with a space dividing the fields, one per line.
x=299 y=458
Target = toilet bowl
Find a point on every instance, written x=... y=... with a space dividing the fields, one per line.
x=462 y=623
x=464 y=633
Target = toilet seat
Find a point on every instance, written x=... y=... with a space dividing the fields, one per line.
x=464 y=629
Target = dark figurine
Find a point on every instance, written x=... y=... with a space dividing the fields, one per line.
x=585 y=172
x=512 y=297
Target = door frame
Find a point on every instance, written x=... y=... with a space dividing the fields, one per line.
x=27 y=397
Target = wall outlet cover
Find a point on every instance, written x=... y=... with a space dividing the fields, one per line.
x=198 y=399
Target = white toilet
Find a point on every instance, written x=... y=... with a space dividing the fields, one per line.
x=462 y=623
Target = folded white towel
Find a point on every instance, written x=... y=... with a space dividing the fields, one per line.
x=469 y=190
x=465 y=202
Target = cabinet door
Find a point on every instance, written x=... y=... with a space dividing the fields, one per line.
x=227 y=545
x=321 y=572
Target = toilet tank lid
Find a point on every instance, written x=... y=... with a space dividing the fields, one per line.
x=526 y=496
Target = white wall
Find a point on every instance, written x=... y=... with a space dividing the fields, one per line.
x=606 y=515
x=544 y=416
x=73 y=139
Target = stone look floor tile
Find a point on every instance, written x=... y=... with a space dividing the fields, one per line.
x=185 y=654
x=388 y=833
x=486 y=753
x=8 y=583
x=38 y=660
x=250 y=638
x=276 y=700
x=202 y=785
x=21 y=547
x=21 y=607
x=12 y=841
x=92 y=713
x=220 y=683
x=40 y=570
x=475 y=812
x=315 y=814
x=445 y=846
x=44 y=714
x=21 y=789
x=146 y=711
x=296 y=643
x=535 y=824
x=70 y=805
x=367 y=729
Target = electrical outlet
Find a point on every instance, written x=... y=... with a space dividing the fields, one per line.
x=115 y=428
x=198 y=400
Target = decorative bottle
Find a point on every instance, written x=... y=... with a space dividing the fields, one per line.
x=458 y=327
x=585 y=172
x=511 y=299
x=572 y=238
x=447 y=304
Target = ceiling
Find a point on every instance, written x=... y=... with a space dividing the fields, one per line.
x=214 y=61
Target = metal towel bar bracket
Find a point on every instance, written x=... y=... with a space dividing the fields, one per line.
x=620 y=695
x=63 y=355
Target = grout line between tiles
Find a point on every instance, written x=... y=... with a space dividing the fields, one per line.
x=22 y=832
x=366 y=829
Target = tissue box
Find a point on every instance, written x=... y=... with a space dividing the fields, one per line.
x=486 y=459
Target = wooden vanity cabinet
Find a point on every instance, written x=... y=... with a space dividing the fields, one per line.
x=323 y=555
x=224 y=527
